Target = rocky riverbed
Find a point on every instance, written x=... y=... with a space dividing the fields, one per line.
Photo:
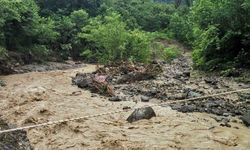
x=163 y=82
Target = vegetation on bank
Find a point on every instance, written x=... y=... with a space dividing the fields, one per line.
x=218 y=31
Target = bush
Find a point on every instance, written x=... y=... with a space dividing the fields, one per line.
x=137 y=46
x=157 y=49
x=88 y=55
x=171 y=52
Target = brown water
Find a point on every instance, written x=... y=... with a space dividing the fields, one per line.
x=40 y=97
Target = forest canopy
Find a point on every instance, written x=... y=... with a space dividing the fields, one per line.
x=217 y=31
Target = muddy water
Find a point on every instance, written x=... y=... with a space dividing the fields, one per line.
x=40 y=97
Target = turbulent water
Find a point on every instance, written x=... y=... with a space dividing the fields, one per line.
x=39 y=97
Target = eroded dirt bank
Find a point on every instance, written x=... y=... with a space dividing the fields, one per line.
x=44 y=96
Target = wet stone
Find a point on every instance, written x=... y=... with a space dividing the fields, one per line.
x=145 y=99
x=246 y=119
x=141 y=113
x=2 y=83
x=115 y=99
x=191 y=93
x=187 y=108
x=186 y=73
x=217 y=118
x=211 y=81
x=225 y=125
x=227 y=114
x=14 y=140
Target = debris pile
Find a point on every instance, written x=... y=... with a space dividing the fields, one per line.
x=95 y=83
x=103 y=80
x=161 y=82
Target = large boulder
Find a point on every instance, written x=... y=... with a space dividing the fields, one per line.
x=141 y=113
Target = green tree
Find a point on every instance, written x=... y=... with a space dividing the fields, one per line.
x=22 y=28
x=109 y=36
x=65 y=7
x=145 y=14
x=223 y=33
x=113 y=42
x=68 y=44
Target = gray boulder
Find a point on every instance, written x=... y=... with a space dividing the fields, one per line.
x=141 y=113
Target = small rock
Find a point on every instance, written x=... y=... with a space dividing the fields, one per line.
x=133 y=127
x=153 y=92
x=141 y=113
x=126 y=108
x=227 y=114
x=217 y=118
x=211 y=81
x=238 y=112
x=176 y=107
x=177 y=76
x=94 y=95
x=234 y=121
x=76 y=93
x=179 y=96
x=187 y=108
x=192 y=94
x=225 y=120
x=145 y=99
x=115 y=99
x=225 y=125
x=187 y=73
x=2 y=83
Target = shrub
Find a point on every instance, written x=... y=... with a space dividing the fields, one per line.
x=171 y=52
x=137 y=46
x=203 y=45
x=88 y=55
x=157 y=49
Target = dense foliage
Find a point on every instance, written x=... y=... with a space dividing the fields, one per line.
x=222 y=33
x=22 y=29
x=218 y=31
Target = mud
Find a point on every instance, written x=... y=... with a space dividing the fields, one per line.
x=48 y=66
